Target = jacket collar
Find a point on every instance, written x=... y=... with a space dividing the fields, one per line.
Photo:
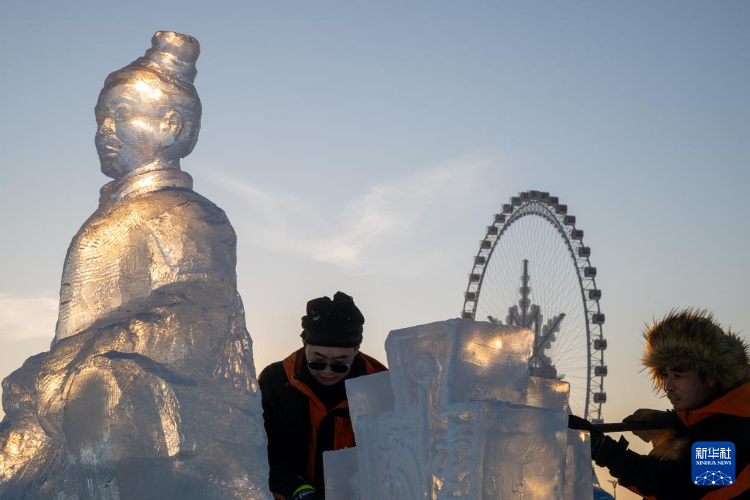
x=735 y=402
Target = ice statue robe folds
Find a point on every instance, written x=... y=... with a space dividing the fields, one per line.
x=152 y=245
x=149 y=232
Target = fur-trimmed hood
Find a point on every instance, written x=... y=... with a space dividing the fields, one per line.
x=692 y=339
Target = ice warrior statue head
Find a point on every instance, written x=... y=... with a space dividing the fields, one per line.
x=148 y=114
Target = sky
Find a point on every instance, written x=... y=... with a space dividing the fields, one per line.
x=365 y=146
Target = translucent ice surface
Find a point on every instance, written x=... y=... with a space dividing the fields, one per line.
x=490 y=363
x=524 y=453
x=368 y=395
x=341 y=474
x=578 y=468
x=392 y=456
x=477 y=450
x=548 y=393
x=458 y=359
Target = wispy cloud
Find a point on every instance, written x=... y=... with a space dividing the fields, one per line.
x=370 y=232
x=25 y=317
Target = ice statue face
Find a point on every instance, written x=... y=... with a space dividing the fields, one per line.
x=337 y=356
x=686 y=389
x=136 y=124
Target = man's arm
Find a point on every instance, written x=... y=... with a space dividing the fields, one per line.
x=284 y=480
x=649 y=475
x=667 y=478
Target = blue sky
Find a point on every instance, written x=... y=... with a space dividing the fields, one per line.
x=364 y=146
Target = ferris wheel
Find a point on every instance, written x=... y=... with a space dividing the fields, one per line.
x=533 y=270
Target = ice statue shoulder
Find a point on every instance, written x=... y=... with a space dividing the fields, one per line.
x=149 y=389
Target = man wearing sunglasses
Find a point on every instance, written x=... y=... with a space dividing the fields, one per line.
x=305 y=409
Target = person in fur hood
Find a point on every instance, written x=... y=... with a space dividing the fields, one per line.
x=704 y=371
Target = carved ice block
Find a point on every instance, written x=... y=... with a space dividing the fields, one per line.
x=369 y=394
x=476 y=450
x=553 y=394
x=467 y=420
x=524 y=450
x=458 y=359
x=392 y=454
x=578 y=469
x=548 y=393
x=491 y=362
x=341 y=474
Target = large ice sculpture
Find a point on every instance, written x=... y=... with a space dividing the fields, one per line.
x=149 y=388
x=465 y=421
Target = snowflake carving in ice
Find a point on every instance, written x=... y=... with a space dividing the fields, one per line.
x=709 y=478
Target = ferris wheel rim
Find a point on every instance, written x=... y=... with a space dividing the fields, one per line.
x=556 y=214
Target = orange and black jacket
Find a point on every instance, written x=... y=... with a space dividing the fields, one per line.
x=726 y=418
x=304 y=418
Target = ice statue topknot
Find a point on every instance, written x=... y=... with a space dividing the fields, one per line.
x=174 y=54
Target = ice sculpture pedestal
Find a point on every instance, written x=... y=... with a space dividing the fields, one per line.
x=457 y=416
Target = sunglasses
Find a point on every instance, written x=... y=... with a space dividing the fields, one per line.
x=335 y=368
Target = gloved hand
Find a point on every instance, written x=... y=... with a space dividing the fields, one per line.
x=308 y=494
x=662 y=422
x=578 y=423
x=602 y=447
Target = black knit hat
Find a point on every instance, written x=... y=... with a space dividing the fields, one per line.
x=332 y=323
